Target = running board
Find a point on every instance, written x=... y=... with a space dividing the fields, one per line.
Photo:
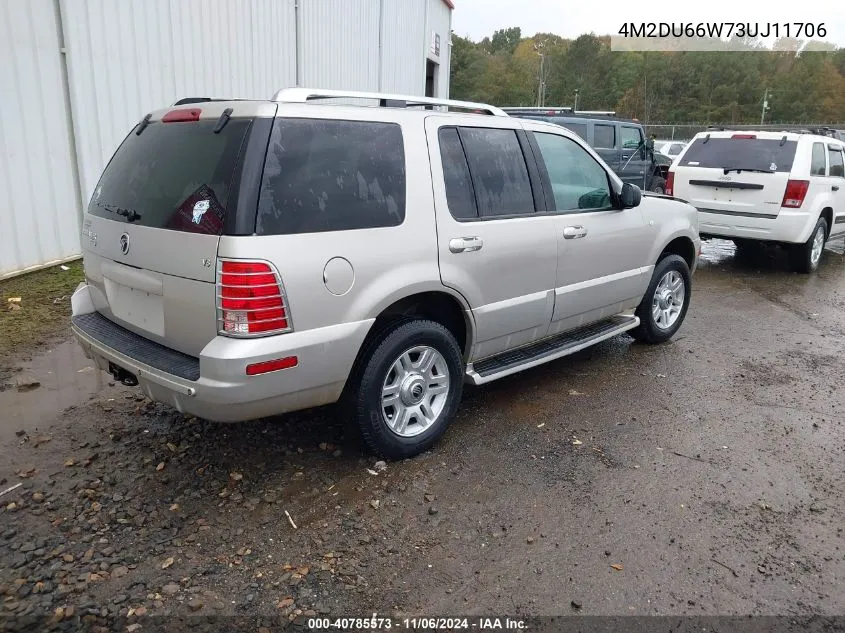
x=516 y=360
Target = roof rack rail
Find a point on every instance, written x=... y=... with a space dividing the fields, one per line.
x=537 y=108
x=303 y=95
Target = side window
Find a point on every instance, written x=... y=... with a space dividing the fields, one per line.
x=329 y=175
x=578 y=181
x=817 y=164
x=604 y=136
x=459 y=192
x=632 y=137
x=675 y=149
x=837 y=167
x=579 y=128
x=498 y=170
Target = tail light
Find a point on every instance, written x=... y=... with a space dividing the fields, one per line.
x=182 y=115
x=250 y=299
x=669 y=187
x=745 y=136
x=795 y=192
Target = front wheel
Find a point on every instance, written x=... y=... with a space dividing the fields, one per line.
x=805 y=258
x=409 y=389
x=666 y=301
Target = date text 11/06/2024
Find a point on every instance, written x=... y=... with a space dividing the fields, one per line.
x=417 y=624
x=723 y=29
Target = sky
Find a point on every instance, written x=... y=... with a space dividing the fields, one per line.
x=571 y=18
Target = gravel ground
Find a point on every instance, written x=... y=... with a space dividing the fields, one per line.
x=700 y=477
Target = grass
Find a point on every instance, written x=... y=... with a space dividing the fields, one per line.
x=44 y=314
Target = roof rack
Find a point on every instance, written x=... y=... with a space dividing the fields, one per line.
x=303 y=95
x=537 y=109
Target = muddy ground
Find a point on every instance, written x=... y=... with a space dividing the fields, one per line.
x=703 y=476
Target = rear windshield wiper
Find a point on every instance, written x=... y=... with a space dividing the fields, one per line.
x=756 y=171
x=129 y=214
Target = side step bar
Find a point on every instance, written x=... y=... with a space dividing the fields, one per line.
x=516 y=360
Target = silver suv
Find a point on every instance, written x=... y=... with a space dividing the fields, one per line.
x=248 y=258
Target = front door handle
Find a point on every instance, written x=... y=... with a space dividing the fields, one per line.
x=574 y=232
x=835 y=187
x=465 y=244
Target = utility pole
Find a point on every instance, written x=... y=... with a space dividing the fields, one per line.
x=765 y=106
x=575 y=109
x=541 y=79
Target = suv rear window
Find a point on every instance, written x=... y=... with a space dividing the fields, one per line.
x=741 y=153
x=173 y=176
x=329 y=175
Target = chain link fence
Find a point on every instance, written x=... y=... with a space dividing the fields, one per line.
x=685 y=131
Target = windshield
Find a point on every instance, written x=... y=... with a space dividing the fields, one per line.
x=773 y=155
x=172 y=176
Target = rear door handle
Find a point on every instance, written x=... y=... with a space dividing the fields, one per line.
x=465 y=244
x=835 y=187
x=574 y=232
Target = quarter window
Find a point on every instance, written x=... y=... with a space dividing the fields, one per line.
x=499 y=172
x=329 y=175
x=817 y=165
x=604 y=136
x=578 y=182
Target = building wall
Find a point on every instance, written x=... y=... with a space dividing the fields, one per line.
x=78 y=74
x=439 y=22
x=39 y=204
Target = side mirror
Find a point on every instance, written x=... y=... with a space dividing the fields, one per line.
x=630 y=196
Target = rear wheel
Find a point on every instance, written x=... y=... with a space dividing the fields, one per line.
x=409 y=389
x=666 y=301
x=658 y=185
x=805 y=258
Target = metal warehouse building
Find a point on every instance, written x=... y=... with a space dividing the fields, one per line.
x=77 y=74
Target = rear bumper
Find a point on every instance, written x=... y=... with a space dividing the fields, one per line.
x=222 y=391
x=789 y=225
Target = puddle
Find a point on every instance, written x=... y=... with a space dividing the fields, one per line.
x=67 y=378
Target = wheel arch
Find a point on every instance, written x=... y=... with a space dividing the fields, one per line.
x=683 y=246
x=442 y=306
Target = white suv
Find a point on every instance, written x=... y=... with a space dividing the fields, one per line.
x=774 y=186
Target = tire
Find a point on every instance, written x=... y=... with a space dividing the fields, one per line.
x=398 y=405
x=805 y=258
x=658 y=185
x=671 y=268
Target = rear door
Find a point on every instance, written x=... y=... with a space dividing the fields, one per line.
x=151 y=232
x=633 y=155
x=737 y=175
x=494 y=247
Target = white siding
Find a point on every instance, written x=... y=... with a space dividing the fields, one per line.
x=339 y=44
x=38 y=204
x=127 y=58
x=403 y=49
x=63 y=115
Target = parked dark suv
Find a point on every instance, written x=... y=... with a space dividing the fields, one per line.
x=620 y=142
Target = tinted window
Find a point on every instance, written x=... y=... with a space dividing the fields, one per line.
x=498 y=171
x=675 y=149
x=836 y=166
x=327 y=175
x=577 y=180
x=817 y=165
x=632 y=138
x=604 y=136
x=173 y=176
x=741 y=153
x=459 y=193
x=579 y=128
